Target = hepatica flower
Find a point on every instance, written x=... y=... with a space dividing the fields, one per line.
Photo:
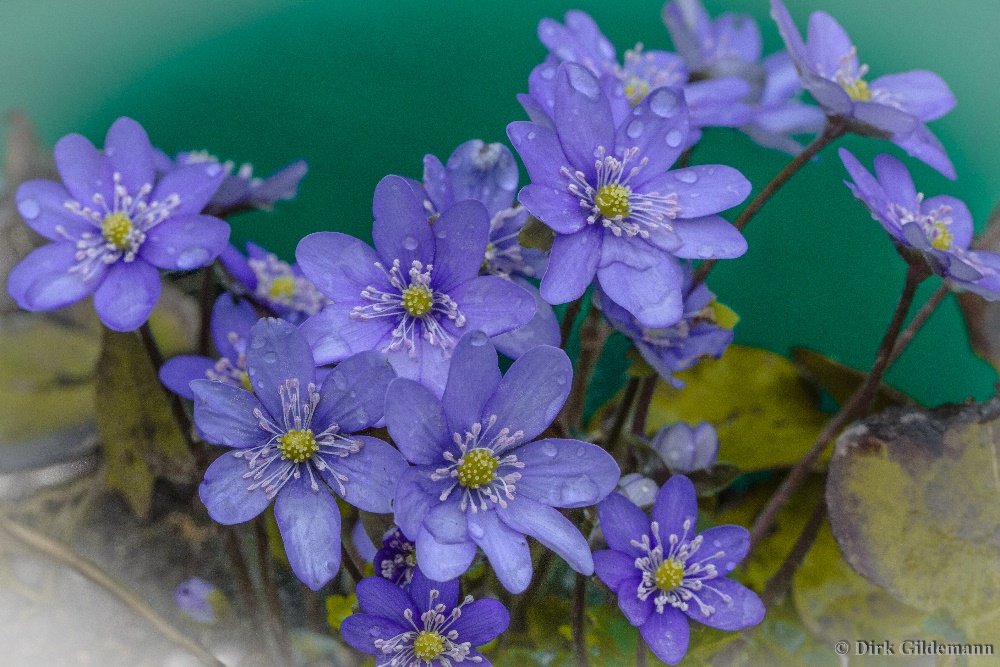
x=294 y=442
x=231 y=323
x=939 y=228
x=680 y=346
x=113 y=225
x=664 y=573
x=606 y=189
x=479 y=479
x=685 y=448
x=201 y=600
x=425 y=626
x=280 y=286
x=414 y=296
x=487 y=173
x=397 y=559
x=892 y=107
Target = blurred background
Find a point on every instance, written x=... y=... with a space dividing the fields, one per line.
x=365 y=88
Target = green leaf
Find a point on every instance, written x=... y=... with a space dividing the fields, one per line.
x=842 y=381
x=139 y=435
x=766 y=416
x=535 y=234
x=914 y=498
x=339 y=607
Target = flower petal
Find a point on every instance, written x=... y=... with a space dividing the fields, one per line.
x=445 y=592
x=829 y=46
x=566 y=473
x=194 y=184
x=710 y=237
x=636 y=611
x=921 y=93
x=43 y=280
x=401 y=230
x=176 y=373
x=481 y=622
x=484 y=172
x=84 y=170
x=353 y=393
x=472 y=379
x=895 y=179
x=232 y=316
x=622 y=522
x=440 y=561
x=127 y=295
x=658 y=126
x=361 y=631
x=334 y=335
x=554 y=206
x=416 y=421
x=532 y=392
x=415 y=493
x=582 y=117
x=427 y=364
x=493 y=305
x=225 y=491
x=380 y=597
x=732 y=541
x=675 y=505
x=506 y=549
x=436 y=183
x=41 y=204
x=541 y=329
x=734 y=605
x=237 y=266
x=225 y=414
x=460 y=237
x=339 y=265
x=923 y=145
x=614 y=567
x=540 y=150
x=572 y=264
x=309 y=523
x=641 y=279
x=667 y=635
x=371 y=475
x=884 y=118
x=128 y=149
x=551 y=528
x=186 y=242
x=278 y=353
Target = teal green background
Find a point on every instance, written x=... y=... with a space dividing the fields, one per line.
x=364 y=89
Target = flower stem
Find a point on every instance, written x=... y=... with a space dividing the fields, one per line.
x=279 y=623
x=640 y=652
x=90 y=570
x=642 y=406
x=205 y=311
x=569 y=318
x=579 y=619
x=176 y=405
x=834 y=129
x=593 y=333
x=233 y=545
x=856 y=406
x=616 y=444
x=782 y=579
x=347 y=562
x=918 y=321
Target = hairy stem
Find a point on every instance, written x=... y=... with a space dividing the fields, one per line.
x=593 y=333
x=205 y=302
x=347 y=562
x=180 y=413
x=856 y=406
x=615 y=442
x=779 y=582
x=642 y=406
x=94 y=573
x=233 y=545
x=276 y=612
x=579 y=620
x=918 y=321
x=569 y=318
x=640 y=651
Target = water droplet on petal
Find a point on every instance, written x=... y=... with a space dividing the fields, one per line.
x=705 y=251
x=192 y=258
x=664 y=103
x=29 y=209
x=410 y=243
x=579 y=491
x=352 y=394
x=549 y=449
x=441 y=234
x=634 y=129
x=375 y=631
x=674 y=138
x=257 y=342
x=213 y=169
x=580 y=451
x=531 y=135
x=270 y=357
x=339 y=380
x=260 y=385
x=547 y=74
x=583 y=82
x=686 y=175
x=476 y=530
x=560 y=380
x=478 y=339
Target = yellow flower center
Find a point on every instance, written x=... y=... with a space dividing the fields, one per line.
x=635 y=90
x=417 y=300
x=117 y=228
x=669 y=575
x=612 y=201
x=282 y=287
x=428 y=645
x=858 y=91
x=491 y=253
x=477 y=468
x=245 y=381
x=411 y=559
x=941 y=238
x=298 y=446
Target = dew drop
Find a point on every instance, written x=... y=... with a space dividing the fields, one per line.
x=560 y=380
x=441 y=234
x=580 y=451
x=226 y=440
x=192 y=258
x=361 y=415
x=339 y=380
x=705 y=251
x=476 y=530
x=634 y=129
x=478 y=339
x=260 y=385
x=583 y=82
x=352 y=394
x=213 y=169
x=531 y=135
x=410 y=243
x=664 y=103
x=549 y=449
x=548 y=73
x=375 y=631
x=29 y=209
x=674 y=138
x=270 y=357
x=579 y=491
x=258 y=342
x=686 y=176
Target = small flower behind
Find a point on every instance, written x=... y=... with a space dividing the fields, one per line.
x=294 y=442
x=113 y=225
x=423 y=626
x=397 y=559
x=280 y=286
x=685 y=448
x=201 y=600
x=936 y=231
x=479 y=480
x=893 y=107
x=662 y=571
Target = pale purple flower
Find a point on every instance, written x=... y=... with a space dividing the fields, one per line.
x=606 y=189
x=423 y=626
x=664 y=573
x=294 y=442
x=362 y=543
x=685 y=448
x=114 y=225
x=397 y=559
x=939 y=228
x=276 y=284
x=195 y=598
x=893 y=107
x=479 y=480
x=414 y=296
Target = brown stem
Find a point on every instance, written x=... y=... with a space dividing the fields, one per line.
x=642 y=406
x=205 y=311
x=593 y=332
x=918 y=321
x=685 y=158
x=347 y=562
x=569 y=317
x=834 y=129
x=276 y=613
x=640 y=652
x=615 y=442
x=180 y=413
x=782 y=579
x=233 y=545
x=856 y=406
x=579 y=621
x=519 y=617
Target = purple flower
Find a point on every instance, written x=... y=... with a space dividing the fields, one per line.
x=605 y=188
x=479 y=479
x=424 y=626
x=680 y=346
x=893 y=107
x=686 y=449
x=199 y=599
x=397 y=559
x=415 y=295
x=730 y=46
x=662 y=572
x=487 y=173
x=294 y=442
x=241 y=191
x=280 y=286
x=939 y=229
x=113 y=225
x=231 y=322
x=362 y=543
